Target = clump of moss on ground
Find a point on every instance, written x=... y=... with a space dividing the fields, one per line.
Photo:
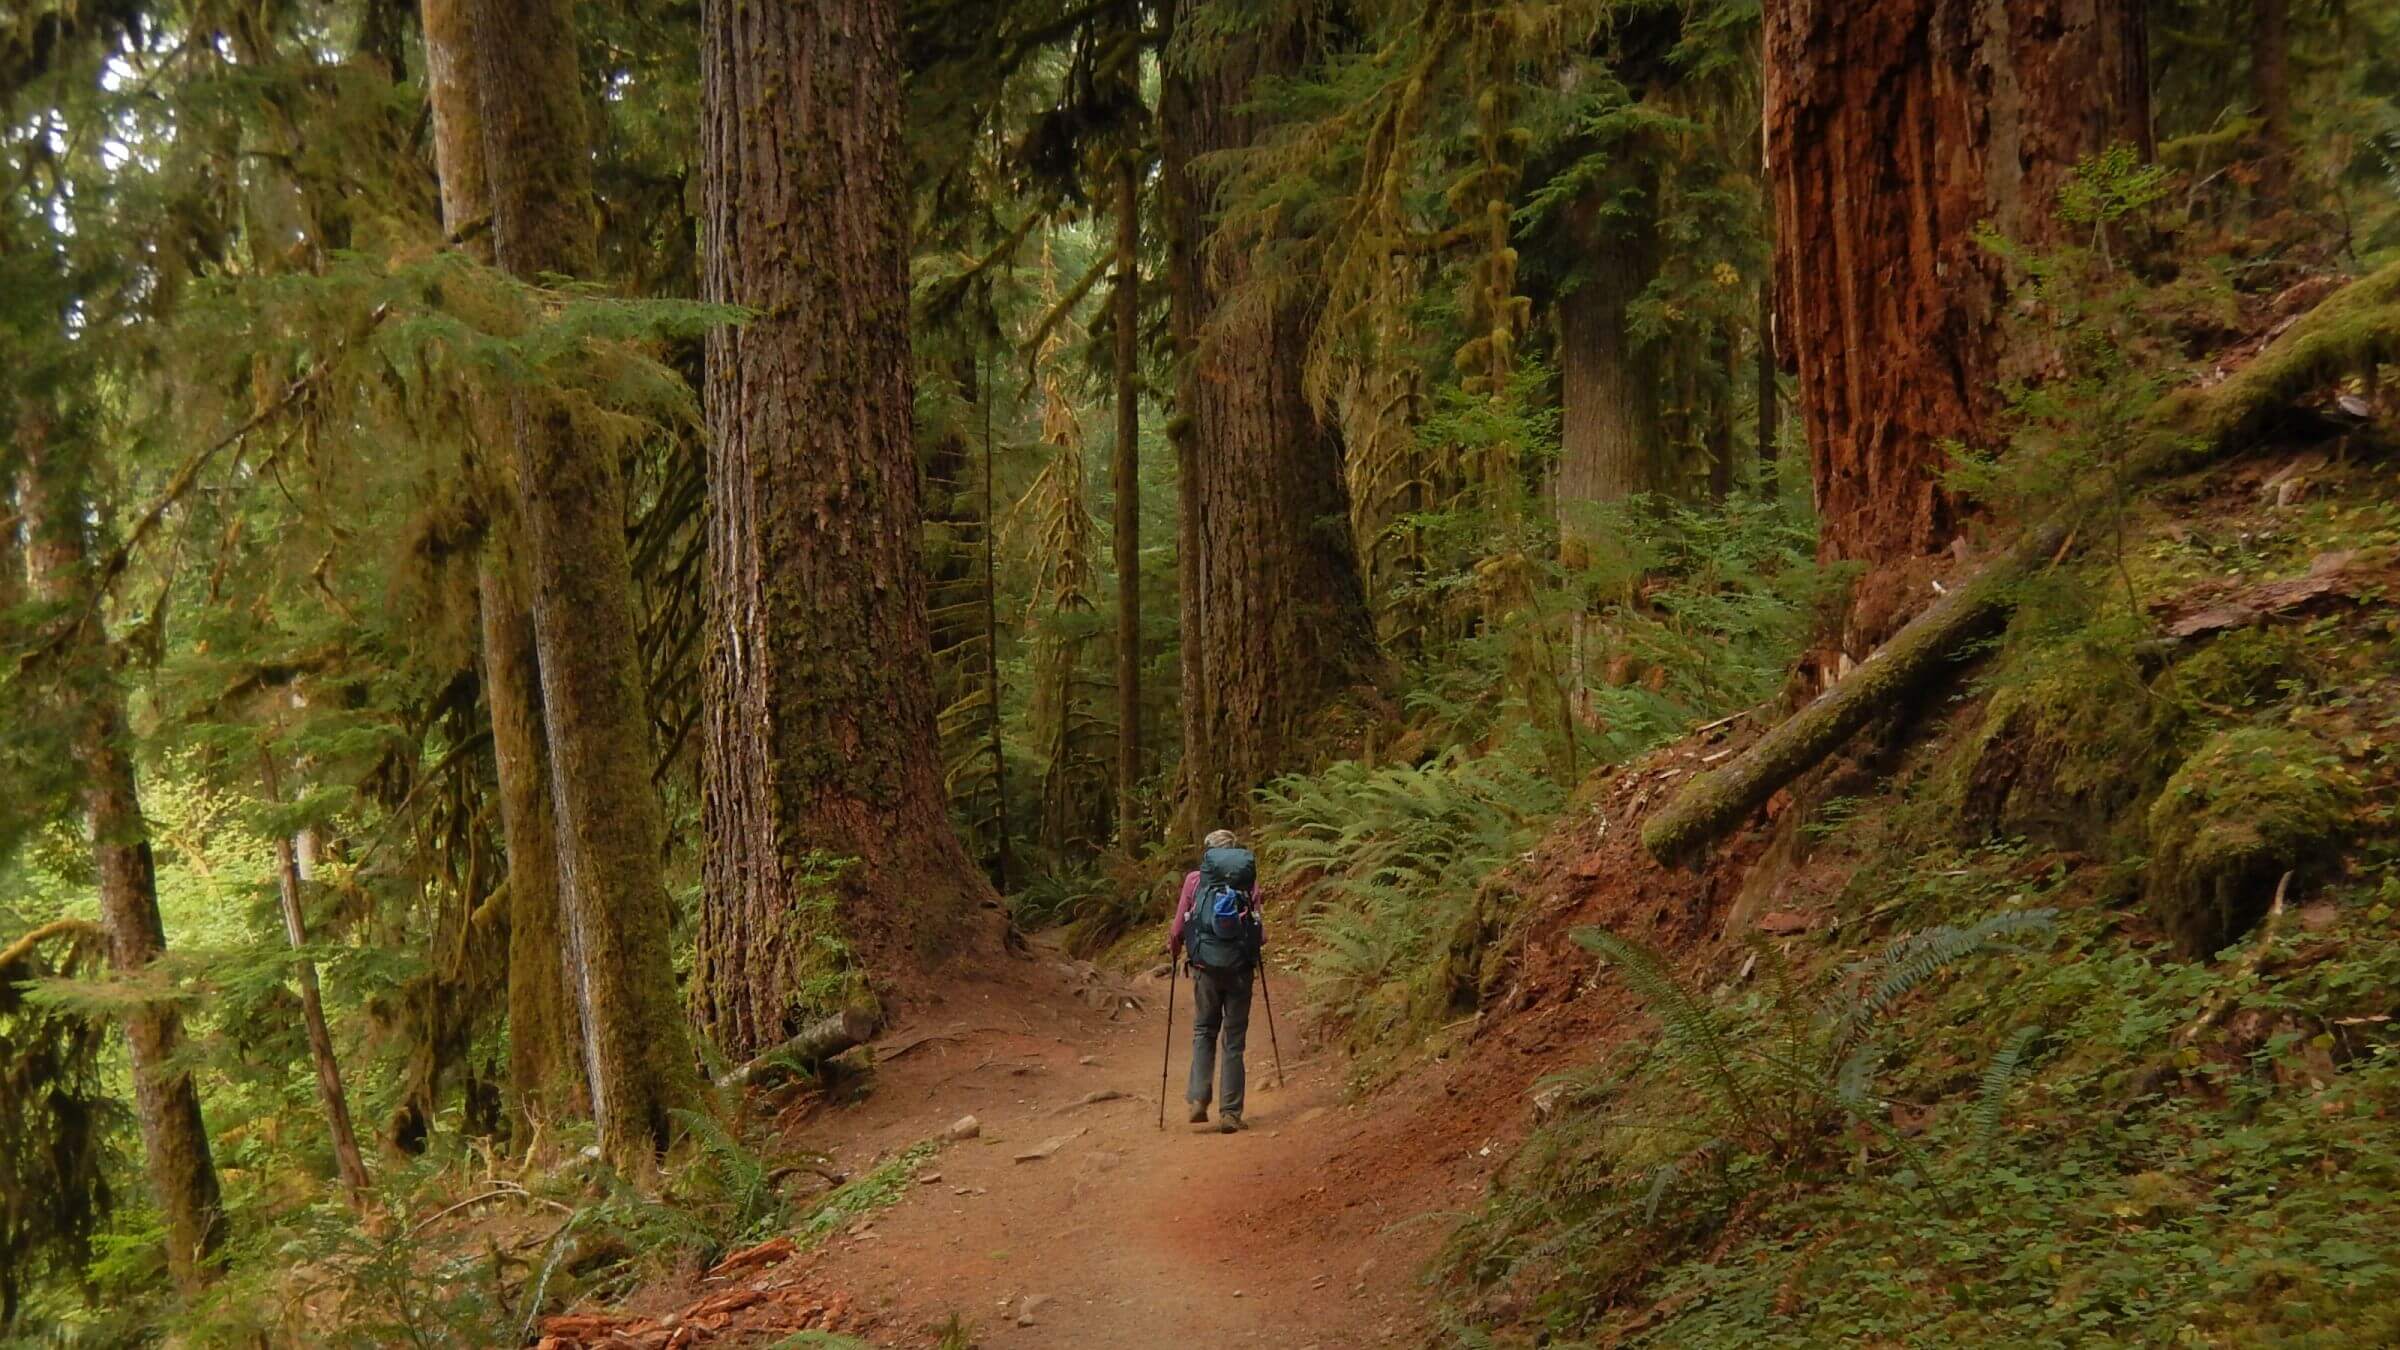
x=2253 y=803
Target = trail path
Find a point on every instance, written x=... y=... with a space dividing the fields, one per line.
x=1304 y=1231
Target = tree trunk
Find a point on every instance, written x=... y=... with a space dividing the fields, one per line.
x=1770 y=416
x=1894 y=131
x=1126 y=483
x=1609 y=431
x=336 y=1103
x=52 y=504
x=2271 y=89
x=1275 y=614
x=545 y=1079
x=611 y=835
x=820 y=741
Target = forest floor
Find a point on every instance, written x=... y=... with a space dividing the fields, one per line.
x=1307 y=1230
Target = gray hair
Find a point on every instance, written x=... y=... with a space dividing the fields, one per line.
x=1218 y=839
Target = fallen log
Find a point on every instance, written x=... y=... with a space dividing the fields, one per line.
x=1718 y=800
x=817 y=1042
x=2356 y=326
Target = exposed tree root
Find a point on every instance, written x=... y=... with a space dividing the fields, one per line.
x=2354 y=327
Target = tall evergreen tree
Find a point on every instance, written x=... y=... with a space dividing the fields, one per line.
x=55 y=510
x=545 y=1076
x=1275 y=619
x=610 y=831
x=819 y=749
x=1894 y=132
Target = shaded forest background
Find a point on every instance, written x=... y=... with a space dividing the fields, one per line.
x=557 y=547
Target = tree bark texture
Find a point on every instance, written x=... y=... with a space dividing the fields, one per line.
x=1125 y=482
x=351 y=1166
x=636 y=1047
x=2271 y=90
x=2357 y=325
x=1275 y=615
x=52 y=504
x=1609 y=429
x=1894 y=131
x=545 y=1076
x=820 y=734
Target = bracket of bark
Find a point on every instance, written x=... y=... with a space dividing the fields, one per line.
x=2358 y=325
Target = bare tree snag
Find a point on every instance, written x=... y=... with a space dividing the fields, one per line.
x=336 y=1103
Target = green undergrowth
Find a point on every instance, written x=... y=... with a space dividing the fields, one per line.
x=1683 y=615
x=860 y=1196
x=2166 y=1122
x=477 y=1262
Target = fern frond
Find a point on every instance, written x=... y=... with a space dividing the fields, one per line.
x=2000 y=1079
x=1692 y=1028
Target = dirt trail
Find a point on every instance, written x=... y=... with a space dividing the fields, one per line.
x=1306 y=1230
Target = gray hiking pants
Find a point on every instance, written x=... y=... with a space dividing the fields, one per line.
x=1220 y=1020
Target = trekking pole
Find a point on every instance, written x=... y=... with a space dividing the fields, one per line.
x=1168 y=1054
x=1270 y=997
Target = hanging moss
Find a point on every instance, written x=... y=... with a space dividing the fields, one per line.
x=2251 y=804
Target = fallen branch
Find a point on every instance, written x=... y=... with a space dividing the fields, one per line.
x=819 y=1041
x=2355 y=326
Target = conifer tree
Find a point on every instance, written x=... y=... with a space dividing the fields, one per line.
x=545 y=1073
x=610 y=831
x=54 y=506
x=1894 y=132
x=829 y=839
x=1275 y=620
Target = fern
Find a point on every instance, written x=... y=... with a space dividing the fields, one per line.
x=1691 y=1028
x=1917 y=957
x=2000 y=1079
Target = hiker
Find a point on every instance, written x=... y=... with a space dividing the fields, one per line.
x=1217 y=933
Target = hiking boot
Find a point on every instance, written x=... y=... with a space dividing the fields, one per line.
x=1230 y=1124
x=1199 y=1113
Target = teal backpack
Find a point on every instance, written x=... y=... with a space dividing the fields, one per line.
x=1224 y=933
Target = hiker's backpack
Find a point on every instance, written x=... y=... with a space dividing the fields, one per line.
x=1224 y=932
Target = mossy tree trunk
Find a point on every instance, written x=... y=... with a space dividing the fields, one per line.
x=1895 y=130
x=610 y=833
x=1125 y=482
x=820 y=742
x=53 y=508
x=1275 y=614
x=545 y=1077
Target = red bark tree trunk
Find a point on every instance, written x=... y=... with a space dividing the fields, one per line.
x=1894 y=130
x=820 y=741
x=1275 y=620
